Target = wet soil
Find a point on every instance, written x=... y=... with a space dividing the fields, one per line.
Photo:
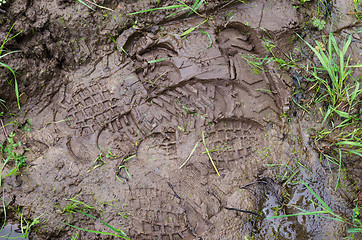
x=125 y=110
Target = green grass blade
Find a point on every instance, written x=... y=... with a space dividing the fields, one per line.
x=342 y=114
x=2 y=102
x=355 y=66
x=106 y=224
x=355 y=230
x=332 y=218
x=324 y=205
x=9 y=53
x=15 y=82
x=6 y=66
x=185 y=5
x=321 y=56
x=182 y=9
x=329 y=111
x=6 y=38
x=160 y=8
x=358 y=153
x=330 y=47
x=16 y=90
x=188 y=31
x=318 y=198
x=346 y=45
x=350 y=143
x=119 y=179
x=300 y=105
x=333 y=41
x=208 y=35
x=4 y=210
x=157 y=60
x=298 y=214
x=128 y=158
x=79 y=202
x=196 y=6
x=330 y=64
x=123 y=50
x=339 y=169
x=342 y=75
x=97 y=232
x=355 y=213
x=85 y=4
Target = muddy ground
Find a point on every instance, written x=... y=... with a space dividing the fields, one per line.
x=127 y=112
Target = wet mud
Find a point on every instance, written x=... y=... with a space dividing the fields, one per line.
x=135 y=126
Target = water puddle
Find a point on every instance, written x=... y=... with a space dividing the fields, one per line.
x=12 y=231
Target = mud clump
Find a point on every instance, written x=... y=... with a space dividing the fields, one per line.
x=118 y=113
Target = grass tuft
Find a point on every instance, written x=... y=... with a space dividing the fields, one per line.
x=339 y=92
x=339 y=87
x=11 y=157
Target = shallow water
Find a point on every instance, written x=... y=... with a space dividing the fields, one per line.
x=11 y=231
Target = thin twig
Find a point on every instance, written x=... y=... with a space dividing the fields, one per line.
x=2 y=124
x=188 y=158
x=244 y=211
x=159 y=77
x=173 y=190
x=234 y=209
x=208 y=153
x=227 y=4
x=99 y=5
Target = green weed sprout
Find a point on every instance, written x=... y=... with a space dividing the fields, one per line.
x=340 y=91
x=356 y=222
x=77 y=206
x=10 y=156
x=25 y=225
x=7 y=66
x=319 y=23
x=123 y=166
x=2 y=103
x=357 y=9
x=75 y=236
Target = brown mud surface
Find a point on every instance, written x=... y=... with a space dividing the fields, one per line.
x=127 y=133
